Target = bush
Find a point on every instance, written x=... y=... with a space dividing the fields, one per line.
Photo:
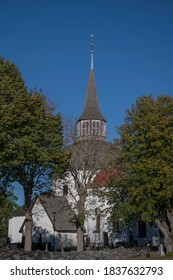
x=169 y=254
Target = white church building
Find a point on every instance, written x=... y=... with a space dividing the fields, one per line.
x=53 y=212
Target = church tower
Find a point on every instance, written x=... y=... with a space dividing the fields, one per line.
x=91 y=124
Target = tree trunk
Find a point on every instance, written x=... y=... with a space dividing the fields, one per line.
x=167 y=233
x=168 y=243
x=28 y=231
x=80 y=239
x=81 y=218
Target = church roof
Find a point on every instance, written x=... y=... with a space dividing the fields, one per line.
x=91 y=108
x=58 y=208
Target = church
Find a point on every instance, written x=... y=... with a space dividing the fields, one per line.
x=54 y=213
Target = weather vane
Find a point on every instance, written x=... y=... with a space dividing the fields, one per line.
x=92 y=50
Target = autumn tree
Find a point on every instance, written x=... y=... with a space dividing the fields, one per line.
x=31 y=139
x=144 y=191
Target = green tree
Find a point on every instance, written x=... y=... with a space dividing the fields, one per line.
x=144 y=190
x=7 y=207
x=31 y=139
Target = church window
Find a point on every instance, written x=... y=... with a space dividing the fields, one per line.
x=85 y=128
x=65 y=189
x=78 y=129
x=96 y=128
x=97 y=213
x=103 y=128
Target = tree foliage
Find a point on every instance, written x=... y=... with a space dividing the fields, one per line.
x=7 y=207
x=145 y=189
x=30 y=135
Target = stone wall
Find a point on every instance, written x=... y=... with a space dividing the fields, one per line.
x=108 y=254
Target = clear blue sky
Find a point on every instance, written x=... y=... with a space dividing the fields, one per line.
x=49 y=41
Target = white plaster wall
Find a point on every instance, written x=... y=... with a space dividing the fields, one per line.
x=96 y=238
x=41 y=224
x=14 y=226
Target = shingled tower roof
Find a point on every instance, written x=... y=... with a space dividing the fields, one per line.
x=91 y=108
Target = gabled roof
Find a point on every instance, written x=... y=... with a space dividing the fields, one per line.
x=91 y=108
x=64 y=216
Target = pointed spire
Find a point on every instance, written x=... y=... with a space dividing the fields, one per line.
x=92 y=108
x=92 y=51
x=91 y=123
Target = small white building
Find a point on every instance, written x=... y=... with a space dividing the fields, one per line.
x=53 y=223
x=14 y=227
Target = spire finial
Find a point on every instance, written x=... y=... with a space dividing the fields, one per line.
x=92 y=51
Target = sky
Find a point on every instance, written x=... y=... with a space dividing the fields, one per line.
x=49 y=41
